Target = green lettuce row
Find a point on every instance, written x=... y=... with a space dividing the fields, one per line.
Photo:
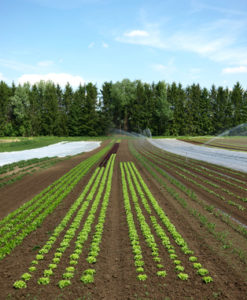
x=146 y=231
x=194 y=165
x=29 y=214
x=172 y=165
x=58 y=230
x=88 y=274
x=158 y=229
x=133 y=235
x=84 y=233
x=57 y=183
x=11 y=244
x=165 y=220
x=96 y=157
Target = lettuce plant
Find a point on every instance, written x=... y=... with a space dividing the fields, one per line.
x=20 y=284
x=142 y=277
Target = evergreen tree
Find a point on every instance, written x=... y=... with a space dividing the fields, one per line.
x=50 y=117
x=20 y=105
x=237 y=102
x=5 y=116
x=106 y=111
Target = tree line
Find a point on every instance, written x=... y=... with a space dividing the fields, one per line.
x=166 y=109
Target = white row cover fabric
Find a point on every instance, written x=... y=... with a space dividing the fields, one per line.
x=232 y=159
x=61 y=149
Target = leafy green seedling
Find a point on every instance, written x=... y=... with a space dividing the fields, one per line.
x=20 y=284
x=139 y=270
x=44 y=280
x=48 y=272
x=39 y=256
x=160 y=266
x=32 y=269
x=157 y=259
x=197 y=265
x=161 y=273
x=52 y=266
x=89 y=272
x=207 y=279
x=179 y=268
x=26 y=276
x=91 y=259
x=139 y=263
x=183 y=276
x=202 y=272
x=87 y=278
x=58 y=254
x=142 y=277
x=63 y=283
x=173 y=256
x=74 y=256
x=70 y=269
x=193 y=258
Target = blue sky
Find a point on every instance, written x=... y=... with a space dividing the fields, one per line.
x=186 y=41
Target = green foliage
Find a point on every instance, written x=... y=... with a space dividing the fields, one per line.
x=207 y=279
x=31 y=214
x=142 y=277
x=183 y=276
x=63 y=283
x=202 y=271
x=87 y=278
x=166 y=109
x=161 y=273
x=20 y=284
x=26 y=276
x=44 y=280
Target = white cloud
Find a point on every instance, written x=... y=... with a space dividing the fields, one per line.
x=45 y=63
x=150 y=37
x=105 y=45
x=217 y=41
x=58 y=78
x=91 y=45
x=235 y=70
x=136 y=33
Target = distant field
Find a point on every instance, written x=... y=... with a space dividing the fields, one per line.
x=24 y=143
x=231 y=143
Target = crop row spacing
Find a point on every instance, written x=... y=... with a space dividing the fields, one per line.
x=135 y=188
x=98 y=187
x=21 y=222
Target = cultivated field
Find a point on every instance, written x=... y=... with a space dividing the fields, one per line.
x=125 y=221
x=238 y=143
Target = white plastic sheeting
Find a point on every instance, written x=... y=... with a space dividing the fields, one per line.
x=232 y=159
x=61 y=149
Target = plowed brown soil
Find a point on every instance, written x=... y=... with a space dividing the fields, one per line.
x=115 y=271
x=13 y=196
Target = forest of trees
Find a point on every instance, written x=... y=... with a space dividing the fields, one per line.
x=166 y=109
